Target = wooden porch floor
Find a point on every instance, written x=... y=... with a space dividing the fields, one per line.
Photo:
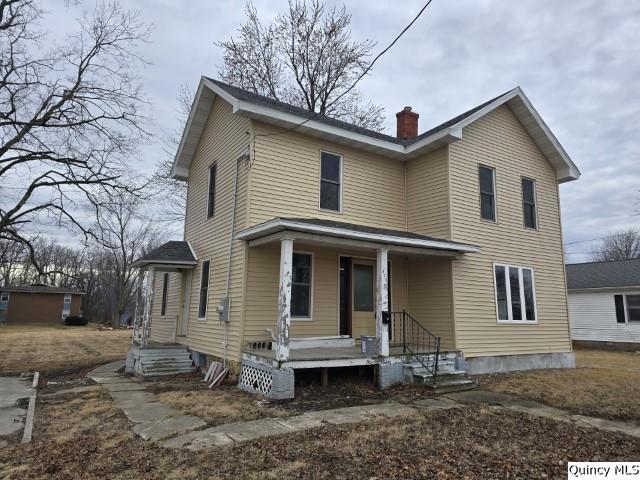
x=320 y=353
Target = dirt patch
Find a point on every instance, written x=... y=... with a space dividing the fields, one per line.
x=604 y=384
x=57 y=348
x=88 y=437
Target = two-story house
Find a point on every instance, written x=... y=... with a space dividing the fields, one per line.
x=306 y=235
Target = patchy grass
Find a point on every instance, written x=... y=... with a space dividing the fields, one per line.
x=603 y=384
x=58 y=347
x=86 y=436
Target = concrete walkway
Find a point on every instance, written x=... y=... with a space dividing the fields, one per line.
x=169 y=427
x=531 y=407
x=12 y=390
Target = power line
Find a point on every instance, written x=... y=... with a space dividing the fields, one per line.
x=377 y=57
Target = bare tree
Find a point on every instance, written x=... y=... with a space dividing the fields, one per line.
x=69 y=115
x=123 y=235
x=173 y=193
x=307 y=58
x=621 y=245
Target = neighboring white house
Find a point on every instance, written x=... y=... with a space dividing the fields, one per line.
x=604 y=303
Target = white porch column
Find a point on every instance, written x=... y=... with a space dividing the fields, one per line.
x=382 y=301
x=148 y=305
x=284 y=299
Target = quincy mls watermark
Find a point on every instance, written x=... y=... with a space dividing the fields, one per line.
x=603 y=470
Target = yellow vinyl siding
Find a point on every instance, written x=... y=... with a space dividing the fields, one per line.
x=262 y=291
x=499 y=141
x=223 y=140
x=428 y=209
x=162 y=327
x=285 y=182
x=430 y=301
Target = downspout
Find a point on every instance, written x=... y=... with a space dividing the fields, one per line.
x=243 y=156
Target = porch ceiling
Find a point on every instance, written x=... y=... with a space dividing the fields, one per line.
x=325 y=232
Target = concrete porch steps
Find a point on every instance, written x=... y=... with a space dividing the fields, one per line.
x=450 y=378
x=161 y=361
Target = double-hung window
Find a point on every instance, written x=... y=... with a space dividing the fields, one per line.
x=330 y=182
x=487 y=180
x=211 y=192
x=165 y=288
x=627 y=308
x=301 y=285
x=515 y=294
x=204 y=289
x=66 y=305
x=529 y=203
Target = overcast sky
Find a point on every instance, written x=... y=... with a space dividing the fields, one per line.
x=578 y=61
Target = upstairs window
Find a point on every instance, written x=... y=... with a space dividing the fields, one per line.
x=211 y=193
x=330 y=182
x=515 y=294
x=204 y=289
x=301 y=285
x=487 y=180
x=529 y=203
x=165 y=288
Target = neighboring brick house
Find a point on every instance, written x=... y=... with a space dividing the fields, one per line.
x=304 y=233
x=38 y=304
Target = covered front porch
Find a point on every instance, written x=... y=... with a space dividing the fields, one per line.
x=335 y=285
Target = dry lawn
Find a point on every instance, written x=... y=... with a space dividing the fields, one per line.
x=84 y=436
x=56 y=347
x=603 y=384
x=226 y=405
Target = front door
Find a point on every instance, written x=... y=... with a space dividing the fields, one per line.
x=183 y=327
x=363 y=317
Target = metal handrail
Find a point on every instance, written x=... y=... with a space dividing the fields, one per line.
x=416 y=340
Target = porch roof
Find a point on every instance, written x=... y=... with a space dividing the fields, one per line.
x=323 y=231
x=175 y=254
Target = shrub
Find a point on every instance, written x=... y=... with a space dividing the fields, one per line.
x=76 y=320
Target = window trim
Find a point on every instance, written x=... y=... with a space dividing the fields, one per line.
x=67 y=296
x=340 y=190
x=313 y=272
x=165 y=291
x=535 y=202
x=520 y=268
x=626 y=309
x=495 y=194
x=211 y=205
x=206 y=303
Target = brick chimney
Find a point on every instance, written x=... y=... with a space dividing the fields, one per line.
x=407 y=124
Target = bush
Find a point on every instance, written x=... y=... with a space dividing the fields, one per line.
x=76 y=320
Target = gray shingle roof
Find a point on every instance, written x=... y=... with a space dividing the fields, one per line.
x=39 y=289
x=622 y=273
x=173 y=251
x=248 y=96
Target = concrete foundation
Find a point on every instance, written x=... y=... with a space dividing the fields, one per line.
x=618 y=346
x=390 y=374
x=513 y=363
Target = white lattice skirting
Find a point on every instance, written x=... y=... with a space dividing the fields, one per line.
x=274 y=383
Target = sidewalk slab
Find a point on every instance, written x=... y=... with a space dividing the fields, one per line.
x=123 y=387
x=144 y=412
x=168 y=427
x=253 y=429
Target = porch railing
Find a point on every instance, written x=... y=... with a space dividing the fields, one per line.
x=415 y=340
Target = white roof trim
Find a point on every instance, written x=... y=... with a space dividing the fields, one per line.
x=548 y=144
x=279 y=224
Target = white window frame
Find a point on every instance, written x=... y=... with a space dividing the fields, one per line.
x=313 y=273
x=67 y=299
x=510 y=321
x=495 y=193
x=626 y=309
x=340 y=195
x=535 y=203
x=206 y=303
